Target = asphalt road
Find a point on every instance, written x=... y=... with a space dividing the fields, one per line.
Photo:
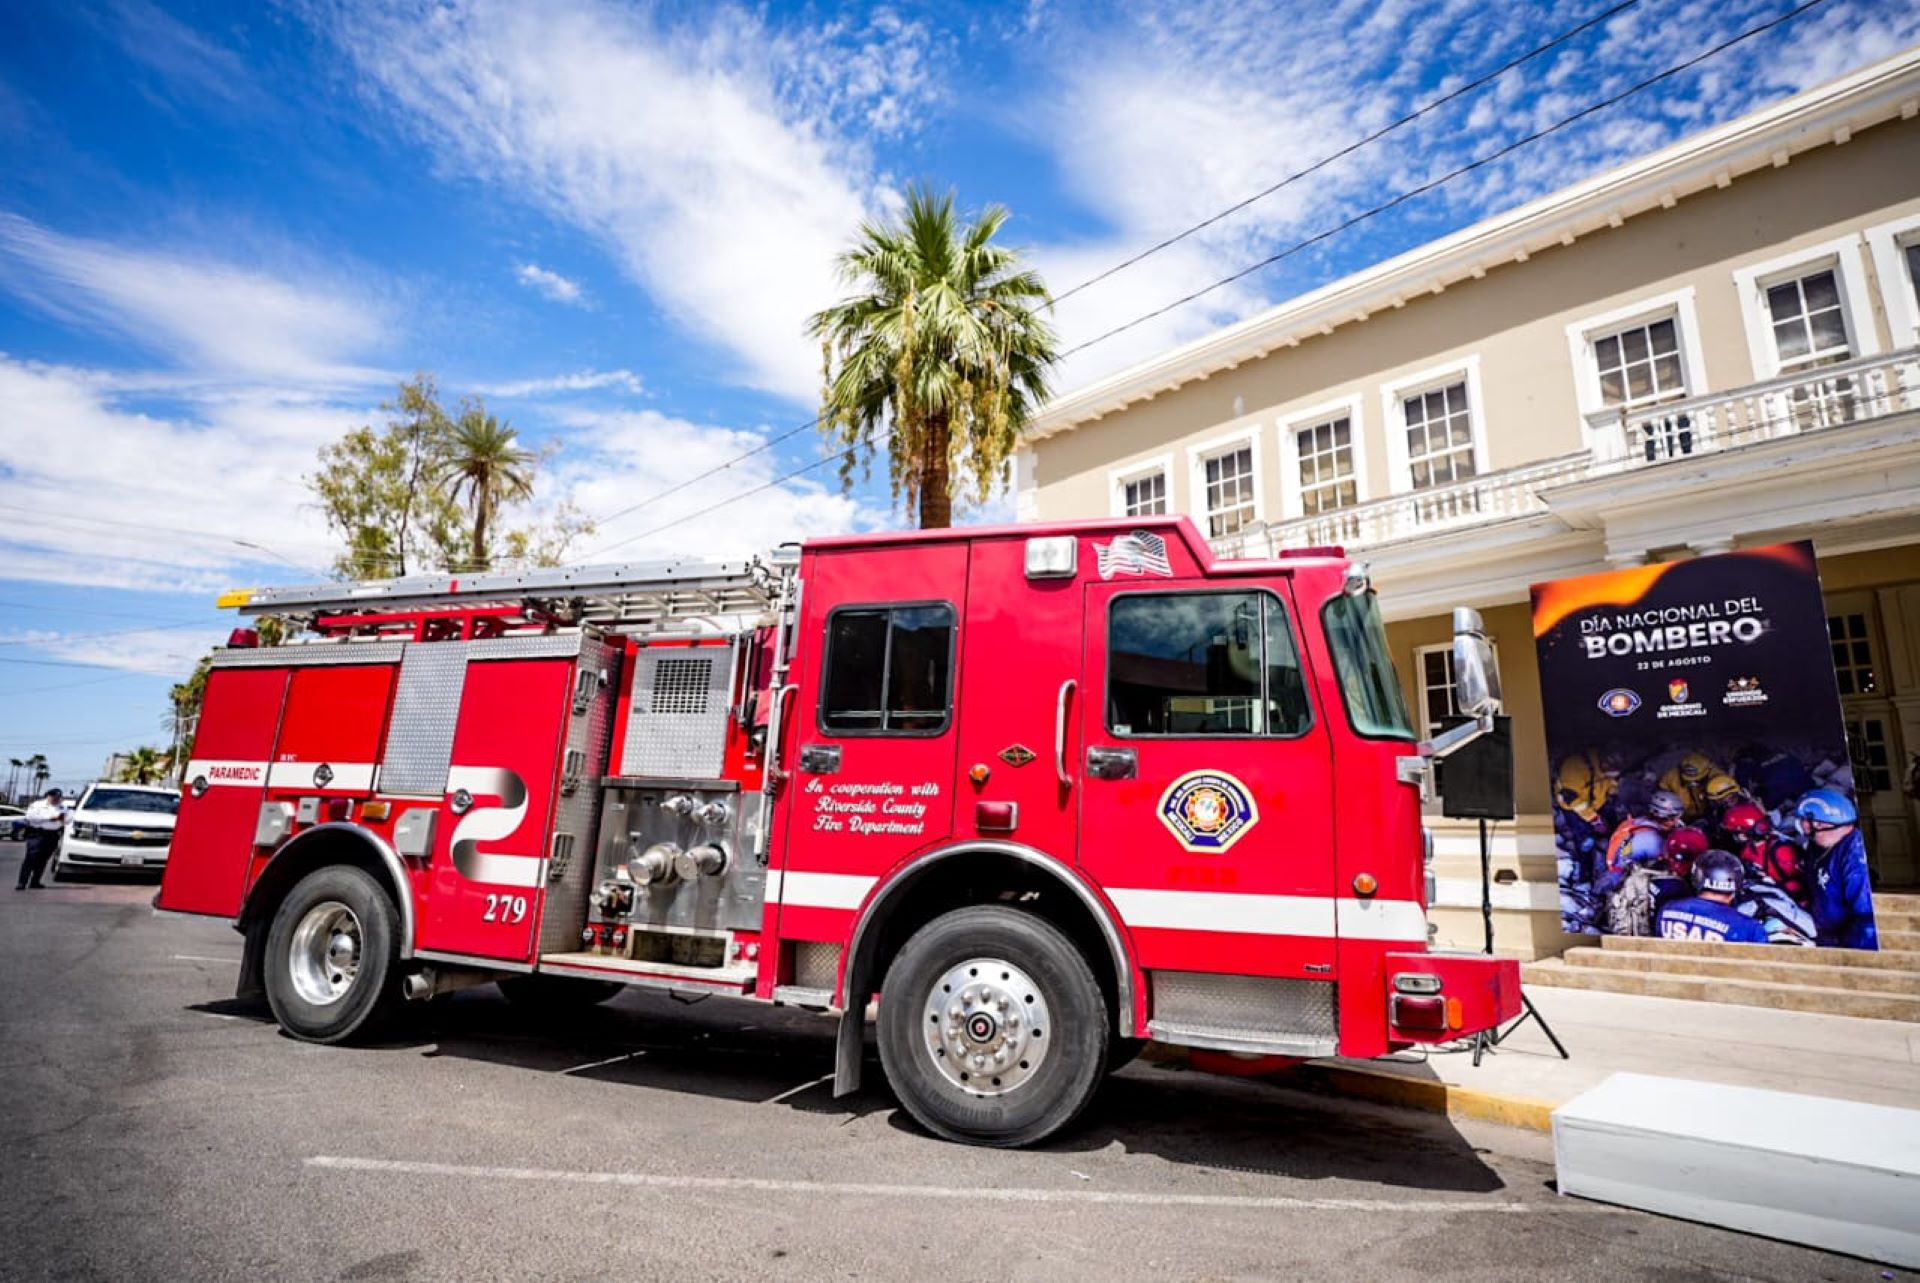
x=154 y=1128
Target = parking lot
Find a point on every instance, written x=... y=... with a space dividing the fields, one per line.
x=155 y=1128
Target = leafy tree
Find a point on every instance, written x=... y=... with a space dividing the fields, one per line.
x=379 y=491
x=942 y=342
x=183 y=714
x=39 y=772
x=142 y=765
x=483 y=458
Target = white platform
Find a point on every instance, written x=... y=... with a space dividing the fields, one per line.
x=1833 y=1174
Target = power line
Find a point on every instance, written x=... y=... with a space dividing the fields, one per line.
x=1425 y=109
x=1449 y=176
x=1430 y=185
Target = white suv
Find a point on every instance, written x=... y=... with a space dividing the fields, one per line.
x=119 y=826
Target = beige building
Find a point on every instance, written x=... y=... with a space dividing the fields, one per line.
x=1713 y=347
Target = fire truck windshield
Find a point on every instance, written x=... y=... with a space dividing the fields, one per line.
x=1368 y=682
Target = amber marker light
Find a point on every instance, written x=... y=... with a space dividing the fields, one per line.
x=978 y=772
x=375 y=810
x=1456 y=1014
x=1365 y=884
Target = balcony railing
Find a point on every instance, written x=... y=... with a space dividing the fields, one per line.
x=1808 y=401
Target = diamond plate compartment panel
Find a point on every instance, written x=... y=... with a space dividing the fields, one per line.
x=426 y=704
x=1249 y=1007
x=302 y=654
x=816 y=964
x=577 y=816
x=677 y=728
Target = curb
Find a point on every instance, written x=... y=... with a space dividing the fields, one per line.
x=1382 y=1088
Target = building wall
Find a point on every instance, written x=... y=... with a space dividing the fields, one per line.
x=1515 y=322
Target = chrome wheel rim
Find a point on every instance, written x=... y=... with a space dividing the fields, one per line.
x=324 y=958
x=986 y=1027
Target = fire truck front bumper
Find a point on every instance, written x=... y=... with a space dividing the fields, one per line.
x=1437 y=997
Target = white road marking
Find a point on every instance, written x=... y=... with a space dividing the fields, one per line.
x=610 y=1060
x=194 y=957
x=968 y=1193
x=791 y=1092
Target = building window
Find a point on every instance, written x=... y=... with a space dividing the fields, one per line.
x=1326 y=467
x=1439 y=436
x=1144 y=496
x=888 y=670
x=1896 y=261
x=1849 y=635
x=1433 y=668
x=1228 y=491
x=1871 y=755
x=1807 y=309
x=1809 y=326
x=1640 y=365
x=1203 y=664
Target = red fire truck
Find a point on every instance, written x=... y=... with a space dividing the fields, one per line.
x=1043 y=792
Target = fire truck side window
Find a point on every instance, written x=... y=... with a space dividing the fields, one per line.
x=1203 y=664
x=888 y=670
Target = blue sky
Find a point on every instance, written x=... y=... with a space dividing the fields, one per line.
x=227 y=231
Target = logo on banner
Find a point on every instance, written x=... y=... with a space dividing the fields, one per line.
x=1680 y=702
x=1743 y=692
x=1619 y=702
x=1208 y=810
x=1140 y=553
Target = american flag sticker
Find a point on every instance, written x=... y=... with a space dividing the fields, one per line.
x=1139 y=553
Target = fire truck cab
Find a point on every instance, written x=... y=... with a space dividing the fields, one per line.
x=1043 y=792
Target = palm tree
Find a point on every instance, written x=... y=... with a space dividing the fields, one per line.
x=39 y=771
x=142 y=765
x=942 y=341
x=485 y=460
x=13 y=780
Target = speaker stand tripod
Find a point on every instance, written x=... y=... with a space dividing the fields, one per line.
x=1490 y=1039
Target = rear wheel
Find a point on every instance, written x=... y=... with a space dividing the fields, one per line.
x=993 y=1030
x=557 y=993
x=332 y=956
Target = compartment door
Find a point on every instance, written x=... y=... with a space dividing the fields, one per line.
x=490 y=839
x=213 y=840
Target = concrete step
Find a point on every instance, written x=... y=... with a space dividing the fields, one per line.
x=1558 y=973
x=1895 y=920
x=1898 y=941
x=1896 y=901
x=1786 y=967
x=1886 y=957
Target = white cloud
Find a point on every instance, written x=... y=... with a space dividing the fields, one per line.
x=621 y=380
x=551 y=285
x=215 y=318
x=712 y=158
x=616 y=460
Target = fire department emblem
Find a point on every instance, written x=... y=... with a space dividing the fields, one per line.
x=1016 y=755
x=1208 y=810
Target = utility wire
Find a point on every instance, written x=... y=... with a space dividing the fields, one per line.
x=1376 y=210
x=1425 y=109
x=1450 y=175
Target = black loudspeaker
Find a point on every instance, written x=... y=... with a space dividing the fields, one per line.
x=1476 y=783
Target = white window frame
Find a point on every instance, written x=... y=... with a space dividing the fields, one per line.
x=1292 y=502
x=1213 y=448
x=1139 y=470
x=1849 y=273
x=1584 y=333
x=1898 y=292
x=1393 y=398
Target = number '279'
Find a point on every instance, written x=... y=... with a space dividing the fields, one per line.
x=505 y=908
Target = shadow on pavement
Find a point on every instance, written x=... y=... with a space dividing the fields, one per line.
x=736 y=1051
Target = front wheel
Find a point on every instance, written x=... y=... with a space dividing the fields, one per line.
x=993 y=1029
x=332 y=957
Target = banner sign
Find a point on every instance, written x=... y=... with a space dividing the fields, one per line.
x=1701 y=784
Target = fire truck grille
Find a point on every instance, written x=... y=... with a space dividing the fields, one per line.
x=680 y=685
x=1244 y=1013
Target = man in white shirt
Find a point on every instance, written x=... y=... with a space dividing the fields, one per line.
x=44 y=820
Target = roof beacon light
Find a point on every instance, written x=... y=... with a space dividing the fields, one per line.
x=1052 y=557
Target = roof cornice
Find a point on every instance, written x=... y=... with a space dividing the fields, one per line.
x=1830 y=113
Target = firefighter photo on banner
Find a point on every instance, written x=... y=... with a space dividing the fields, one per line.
x=1700 y=777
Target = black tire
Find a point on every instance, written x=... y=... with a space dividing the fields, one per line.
x=372 y=991
x=58 y=872
x=539 y=993
x=1122 y=1052
x=1044 y=973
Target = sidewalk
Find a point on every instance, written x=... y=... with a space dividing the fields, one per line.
x=1520 y=1083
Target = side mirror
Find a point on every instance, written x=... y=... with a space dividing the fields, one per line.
x=1476 y=673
